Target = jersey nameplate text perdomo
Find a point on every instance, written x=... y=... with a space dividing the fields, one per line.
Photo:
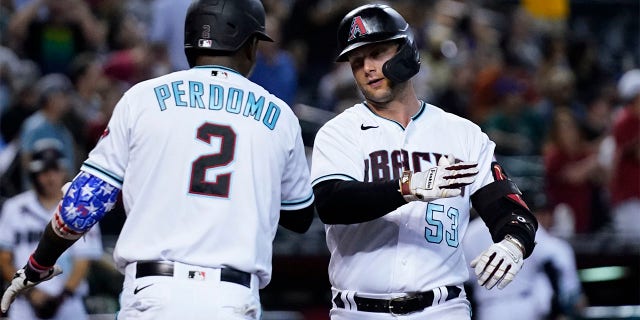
x=195 y=95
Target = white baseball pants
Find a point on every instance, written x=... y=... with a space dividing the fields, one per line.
x=185 y=296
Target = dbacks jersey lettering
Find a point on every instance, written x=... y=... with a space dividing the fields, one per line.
x=419 y=240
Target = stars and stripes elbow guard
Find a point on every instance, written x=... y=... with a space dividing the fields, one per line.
x=85 y=203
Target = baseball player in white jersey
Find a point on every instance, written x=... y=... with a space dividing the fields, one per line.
x=208 y=163
x=394 y=177
x=21 y=222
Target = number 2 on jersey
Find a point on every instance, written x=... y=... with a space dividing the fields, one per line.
x=198 y=184
x=436 y=235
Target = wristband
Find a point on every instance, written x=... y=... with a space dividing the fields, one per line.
x=36 y=266
x=515 y=242
x=405 y=183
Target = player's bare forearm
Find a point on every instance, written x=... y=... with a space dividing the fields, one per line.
x=6 y=265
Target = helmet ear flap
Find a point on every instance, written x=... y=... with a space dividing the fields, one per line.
x=404 y=64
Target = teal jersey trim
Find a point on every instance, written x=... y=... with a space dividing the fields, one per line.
x=414 y=117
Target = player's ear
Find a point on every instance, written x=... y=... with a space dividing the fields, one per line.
x=250 y=49
x=249 y=53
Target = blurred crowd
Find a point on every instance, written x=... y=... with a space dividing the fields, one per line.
x=552 y=83
x=542 y=78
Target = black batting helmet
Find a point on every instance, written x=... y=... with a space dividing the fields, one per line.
x=46 y=155
x=373 y=23
x=222 y=25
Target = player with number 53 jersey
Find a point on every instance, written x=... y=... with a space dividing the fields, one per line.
x=395 y=179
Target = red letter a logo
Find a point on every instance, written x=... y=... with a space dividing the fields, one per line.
x=357 y=28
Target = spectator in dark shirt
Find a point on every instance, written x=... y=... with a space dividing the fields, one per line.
x=52 y=39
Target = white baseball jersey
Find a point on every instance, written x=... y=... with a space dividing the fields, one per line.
x=530 y=293
x=417 y=246
x=21 y=225
x=205 y=160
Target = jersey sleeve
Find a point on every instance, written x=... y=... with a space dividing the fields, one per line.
x=109 y=158
x=336 y=156
x=483 y=153
x=296 y=189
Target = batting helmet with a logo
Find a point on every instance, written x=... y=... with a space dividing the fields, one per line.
x=375 y=23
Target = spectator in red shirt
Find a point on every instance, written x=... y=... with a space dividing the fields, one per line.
x=571 y=169
x=625 y=183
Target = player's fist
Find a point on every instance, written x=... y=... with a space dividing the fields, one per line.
x=442 y=181
x=499 y=264
x=24 y=279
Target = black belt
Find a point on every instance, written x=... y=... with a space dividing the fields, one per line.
x=403 y=305
x=157 y=268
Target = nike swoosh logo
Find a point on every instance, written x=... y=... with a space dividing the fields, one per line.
x=363 y=127
x=136 y=290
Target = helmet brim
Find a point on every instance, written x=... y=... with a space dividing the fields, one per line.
x=343 y=56
x=264 y=37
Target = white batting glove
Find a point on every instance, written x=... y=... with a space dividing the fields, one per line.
x=499 y=264
x=24 y=279
x=442 y=181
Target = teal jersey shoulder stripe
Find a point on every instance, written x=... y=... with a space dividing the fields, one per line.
x=297 y=202
x=107 y=173
x=338 y=176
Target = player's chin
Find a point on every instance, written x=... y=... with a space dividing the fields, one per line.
x=378 y=96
